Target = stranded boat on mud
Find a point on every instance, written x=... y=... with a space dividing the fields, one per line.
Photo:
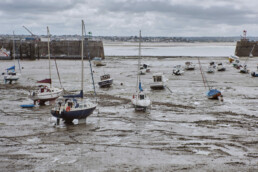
x=69 y=108
x=140 y=100
x=189 y=66
x=158 y=81
x=177 y=70
x=212 y=93
x=98 y=61
x=45 y=93
x=220 y=67
x=11 y=74
x=105 y=81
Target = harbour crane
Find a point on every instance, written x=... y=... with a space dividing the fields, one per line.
x=29 y=31
x=33 y=35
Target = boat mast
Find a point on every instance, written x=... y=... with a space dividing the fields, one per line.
x=138 y=66
x=87 y=49
x=203 y=77
x=13 y=48
x=250 y=55
x=48 y=48
x=82 y=57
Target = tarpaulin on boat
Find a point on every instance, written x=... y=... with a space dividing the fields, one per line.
x=46 y=81
x=11 y=68
x=80 y=95
x=213 y=92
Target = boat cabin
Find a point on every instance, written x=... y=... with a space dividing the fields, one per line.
x=43 y=89
x=104 y=77
x=157 y=78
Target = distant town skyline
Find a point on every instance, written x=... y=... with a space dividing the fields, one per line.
x=171 y=18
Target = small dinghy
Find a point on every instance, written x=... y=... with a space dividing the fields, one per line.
x=189 y=66
x=27 y=106
x=106 y=81
x=98 y=61
x=177 y=70
x=243 y=69
x=220 y=67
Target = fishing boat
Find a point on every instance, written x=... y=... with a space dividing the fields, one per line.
x=189 y=66
x=46 y=93
x=212 y=93
x=98 y=61
x=140 y=100
x=220 y=67
x=158 y=81
x=105 y=81
x=72 y=107
x=177 y=70
x=11 y=74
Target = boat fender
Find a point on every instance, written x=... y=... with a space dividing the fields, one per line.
x=68 y=109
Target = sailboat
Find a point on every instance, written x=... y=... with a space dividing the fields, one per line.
x=45 y=93
x=140 y=100
x=11 y=74
x=69 y=107
x=212 y=93
x=243 y=69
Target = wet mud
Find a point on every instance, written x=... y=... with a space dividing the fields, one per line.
x=182 y=131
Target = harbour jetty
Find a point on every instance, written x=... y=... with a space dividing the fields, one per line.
x=60 y=49
x=244 y=47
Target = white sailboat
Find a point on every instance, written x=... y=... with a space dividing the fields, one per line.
x=70 y=108
x=11 y=74
x=45 y=93
x=140 y=100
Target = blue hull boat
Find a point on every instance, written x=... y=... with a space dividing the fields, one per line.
x=71 y=115
x=27 y=106
x=213 y=94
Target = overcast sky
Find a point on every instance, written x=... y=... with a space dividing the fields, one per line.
x=127 y=17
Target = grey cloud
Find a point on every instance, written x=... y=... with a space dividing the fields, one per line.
x=218 y=14
x=126 y=17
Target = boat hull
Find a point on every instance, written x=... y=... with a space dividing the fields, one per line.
x=75 y=114
x=213 y=94
x=141 y=105
x=106 y=83
x=46 y=96
x=157 y=86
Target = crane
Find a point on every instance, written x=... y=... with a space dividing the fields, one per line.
x=29 y=31
x=36 y=37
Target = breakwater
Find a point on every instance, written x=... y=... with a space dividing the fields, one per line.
x=244 y=47
x=58 y=49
